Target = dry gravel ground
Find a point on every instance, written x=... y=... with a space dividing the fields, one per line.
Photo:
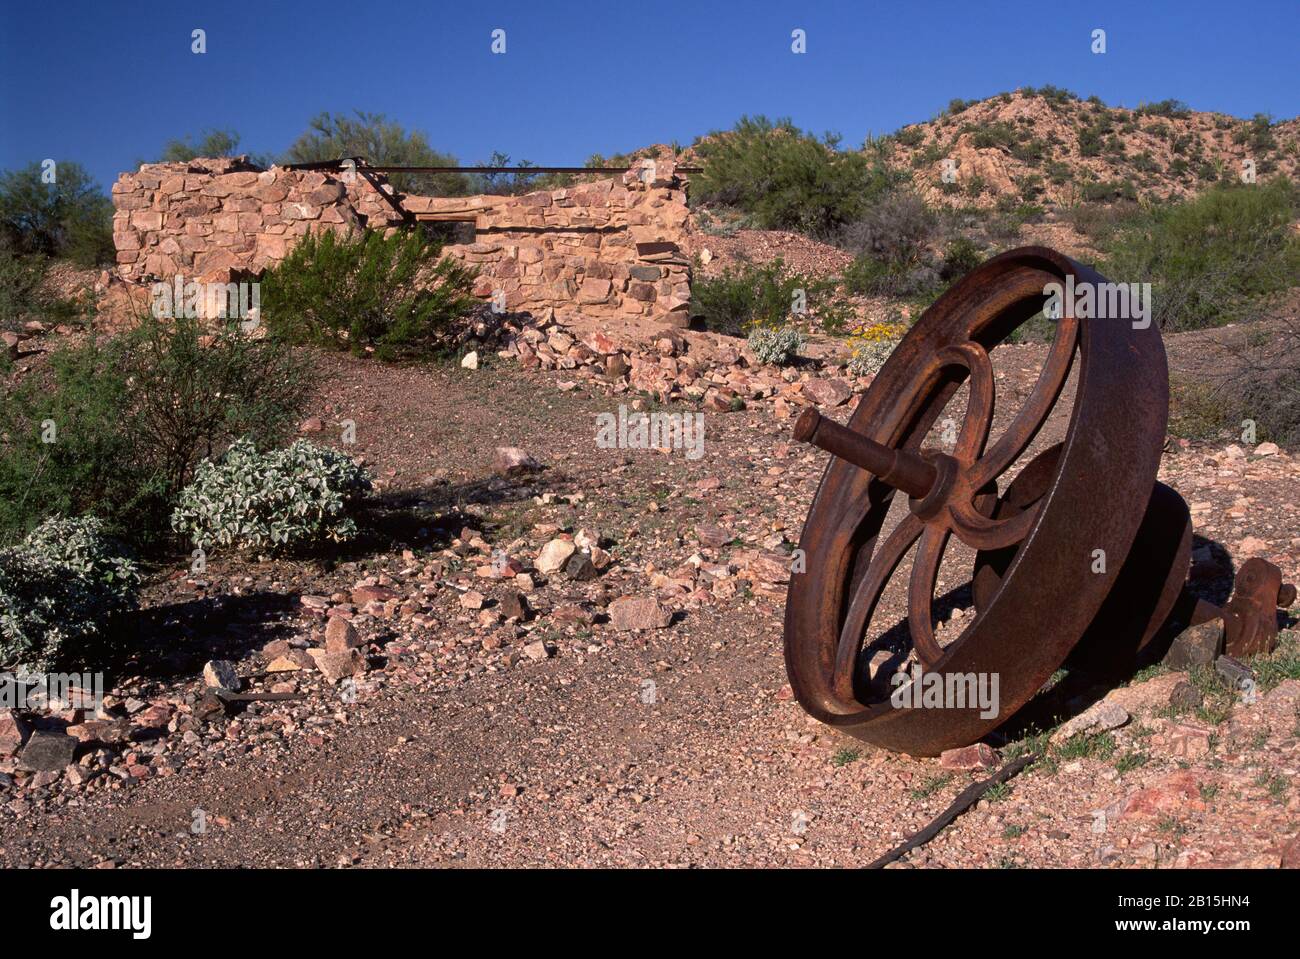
x=460 y=751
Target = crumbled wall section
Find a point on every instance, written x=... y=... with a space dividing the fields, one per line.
x=608 y=248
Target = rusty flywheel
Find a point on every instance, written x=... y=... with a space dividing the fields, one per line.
x=1040 y=596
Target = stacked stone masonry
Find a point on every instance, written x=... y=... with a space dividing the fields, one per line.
x=606 y=248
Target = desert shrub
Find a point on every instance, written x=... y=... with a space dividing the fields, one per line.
x=20 y=287
x=61 y=591
x=960 y=256
x=380 y=141
x=116 y=428
x=392 y=294
x=70 y=217
x=895 y=228
x=910 y=136
x=1257 y=133
x=1099 y=221
x=787 y=179
x=1211 y=259
x=1108 y=191
x=775 y=345
x=763 y=295
x=285 y=499
x=1164 y=108
x=1255 y=384
x=869 y=276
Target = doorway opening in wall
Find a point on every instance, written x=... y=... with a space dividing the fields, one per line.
x=448 y=232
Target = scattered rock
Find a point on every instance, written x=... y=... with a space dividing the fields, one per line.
x=977 y=756
x=513 y=461
x=1176 y=794
x=638 y=612
x=554 y=555
x=1196 y=645
x=338 y=665
x=471 y=600
x=1184 y=741
x=827 y=392
x=341 y=635
x=538 y=650
x=470 y=360
x=1146 y=696
x=1186 y=696
x=1100 y=716
x=221 y=674
x=13 y=732
x=1234 y=671
x=47 y=752
x=580 y=567
x=291 y=662
x=514 y=606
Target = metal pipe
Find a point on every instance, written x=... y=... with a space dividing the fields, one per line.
x=899 y=468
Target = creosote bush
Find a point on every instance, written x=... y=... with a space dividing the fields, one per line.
x=1211 y=259
x=61 y=591
x=392 y=294
x=286 y=499
x=775 y=345
x=786 y=179
x=115 y=428
x=765 y=295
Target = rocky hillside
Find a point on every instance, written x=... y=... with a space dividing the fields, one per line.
x=1049 y=147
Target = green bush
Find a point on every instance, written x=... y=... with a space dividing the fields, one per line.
x=1164 y=108
x=870 y=276
x=285 y=499
x=380 y=141
x=60 y=591
x=960 y=257
x=766 y=295
x=20 y=287
x=775 y=345
x=392 y=294
x=116 y=428
x=1211 y=259
x=70 y=217
x=787 y=179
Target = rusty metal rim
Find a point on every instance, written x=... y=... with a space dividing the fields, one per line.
x=1116 y=432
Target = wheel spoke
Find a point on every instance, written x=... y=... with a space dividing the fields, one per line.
x=979 y=408
x=980 y=532
x=1030 y=417
x=865 y=597
x=920 y=594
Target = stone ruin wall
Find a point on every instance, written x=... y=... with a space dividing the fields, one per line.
x=610 y=248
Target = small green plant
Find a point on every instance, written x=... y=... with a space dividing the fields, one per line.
x=1131 y=760
x=1013 y=830
x=393 y=294
x=1087 y=746
x=285 y=499
x=61 y=591
x=931 y=785
x=777 y=346
x=998 y=792
x=845 y=756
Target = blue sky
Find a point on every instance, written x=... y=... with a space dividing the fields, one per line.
x=108 y=82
